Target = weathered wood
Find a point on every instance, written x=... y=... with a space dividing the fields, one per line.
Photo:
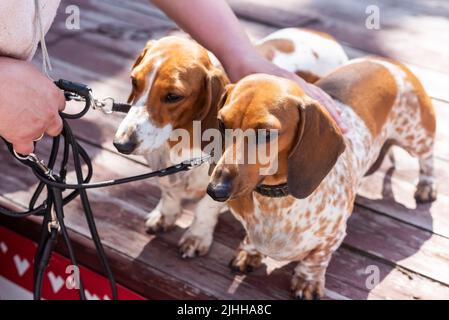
x=390 y=191
x=407 y=243
x=120 y=223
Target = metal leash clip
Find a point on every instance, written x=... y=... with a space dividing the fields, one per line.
x=105 y=105
x=81 y=92
x=196 y=162
x=54 y=223
x=38 y=162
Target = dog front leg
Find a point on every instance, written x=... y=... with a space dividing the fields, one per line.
x=197 y=240
x=309 y=276
x=247 y=258
x=164 y=216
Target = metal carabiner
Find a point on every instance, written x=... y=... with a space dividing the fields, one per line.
x=38 y=162
x=104 y=105
x=196 y=162
x=54 y=222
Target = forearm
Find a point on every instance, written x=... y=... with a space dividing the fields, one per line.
x=213 y=24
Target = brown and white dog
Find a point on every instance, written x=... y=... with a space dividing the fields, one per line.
x=383 y=104
x=175 y=83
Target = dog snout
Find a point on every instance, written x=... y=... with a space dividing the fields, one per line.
x=219 y=192
x=220 y=187
x=125 y=146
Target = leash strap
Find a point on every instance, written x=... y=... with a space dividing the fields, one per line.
x=52 y=208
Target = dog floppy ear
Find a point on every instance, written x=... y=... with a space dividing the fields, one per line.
x=221 y=101
x=139 y=59
x=143 y=53
x=225 y=95
x=319 y=143
x=216 y=81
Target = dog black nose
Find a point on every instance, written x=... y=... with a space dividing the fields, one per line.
x=125 y=147
x=219 y=192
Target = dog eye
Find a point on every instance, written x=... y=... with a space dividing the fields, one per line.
x=172 y=98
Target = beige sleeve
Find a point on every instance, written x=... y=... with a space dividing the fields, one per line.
x=19 y=32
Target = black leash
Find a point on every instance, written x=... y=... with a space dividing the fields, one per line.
x=52 y=208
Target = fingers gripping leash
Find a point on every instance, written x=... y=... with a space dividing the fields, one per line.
x=52 y=208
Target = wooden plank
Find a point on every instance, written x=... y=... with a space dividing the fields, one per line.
x=390 y=192
x=101 y=64
x=120 y=223
x=408 y=247
x=157 y=285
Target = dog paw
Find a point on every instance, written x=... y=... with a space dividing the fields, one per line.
x=157 y=222
x=191 y=246
x=307 y=290
x=425 y=192
x=245 y=262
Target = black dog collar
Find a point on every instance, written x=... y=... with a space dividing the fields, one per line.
x=276 y=191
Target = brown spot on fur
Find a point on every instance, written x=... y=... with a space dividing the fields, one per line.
x=288 y=227
x=368 y=87
x=243 y=206
x=308 y=76
x=320 y=207
x=337 y=224
x=308 y=214
x=269 y=47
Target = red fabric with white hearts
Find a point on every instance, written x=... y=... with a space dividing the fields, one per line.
x=16 y=266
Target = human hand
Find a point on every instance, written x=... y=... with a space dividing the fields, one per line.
x=29 y=104
x=238 y=68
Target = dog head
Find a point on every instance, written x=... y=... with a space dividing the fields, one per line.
x=173 y=84
x=308 y=142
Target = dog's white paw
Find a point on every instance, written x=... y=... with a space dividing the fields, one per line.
x=303 y=289
x=192 y=245
x=157 y=222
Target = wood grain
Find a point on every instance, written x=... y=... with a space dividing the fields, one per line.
x=407 y=243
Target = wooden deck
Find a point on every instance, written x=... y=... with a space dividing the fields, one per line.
x=409 y=243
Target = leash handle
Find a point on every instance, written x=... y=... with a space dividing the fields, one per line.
x=80 y=89
x=78 y=92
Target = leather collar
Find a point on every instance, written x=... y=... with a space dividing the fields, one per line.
x=275 y=191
